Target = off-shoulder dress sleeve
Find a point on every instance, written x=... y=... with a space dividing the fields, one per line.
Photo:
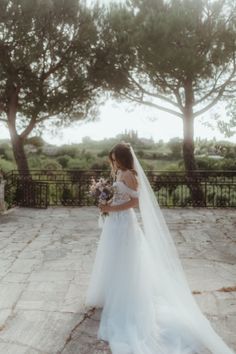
x=126 y=189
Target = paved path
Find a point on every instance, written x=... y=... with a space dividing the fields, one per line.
x=46 y=257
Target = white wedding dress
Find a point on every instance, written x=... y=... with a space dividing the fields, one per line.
x=137 y=317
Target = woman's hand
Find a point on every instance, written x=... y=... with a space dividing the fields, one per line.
x=132 y=203
x=105 y=208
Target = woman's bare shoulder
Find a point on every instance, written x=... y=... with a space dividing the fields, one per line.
x=129 y=178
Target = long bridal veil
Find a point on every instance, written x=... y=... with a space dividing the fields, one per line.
x=172 y=287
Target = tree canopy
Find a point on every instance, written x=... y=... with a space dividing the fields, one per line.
x=174 y=51
x=45 y=62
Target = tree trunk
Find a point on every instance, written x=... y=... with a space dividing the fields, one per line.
x=190 y=164
x=19 y=154
x=17 y=140
x=188 y=144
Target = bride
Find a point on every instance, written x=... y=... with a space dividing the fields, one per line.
x=137 y=278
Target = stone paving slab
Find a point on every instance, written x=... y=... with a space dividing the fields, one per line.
x=46 y=257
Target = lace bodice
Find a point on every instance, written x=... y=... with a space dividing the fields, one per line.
x=123 y=193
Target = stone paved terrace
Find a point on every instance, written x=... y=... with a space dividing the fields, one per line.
x=47 y=256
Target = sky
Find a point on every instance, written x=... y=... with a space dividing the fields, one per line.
x=115 y=118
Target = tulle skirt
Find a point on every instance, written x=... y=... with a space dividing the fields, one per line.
x=135 y=319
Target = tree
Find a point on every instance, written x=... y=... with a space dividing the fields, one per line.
x=177 y=56
x=45 y=47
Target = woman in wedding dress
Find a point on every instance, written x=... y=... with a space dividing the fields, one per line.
x=137 y=278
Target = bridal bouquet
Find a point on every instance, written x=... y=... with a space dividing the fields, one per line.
x=103 y=191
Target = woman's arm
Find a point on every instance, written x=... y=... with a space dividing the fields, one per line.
x=132 y=203
x=129 y=179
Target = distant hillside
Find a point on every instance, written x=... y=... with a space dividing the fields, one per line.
x=92 y=154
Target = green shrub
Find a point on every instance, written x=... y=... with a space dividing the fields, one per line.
x=72 y=151
x=63 y=160
x=206 y=163
x=103 y=153
x=6 y=152
x=35 y=162
x=99 y=165
x=77 y=164
x=37 y=141
x=7 y=166
x=67 y=196
x=228 y=164
x=50 y=164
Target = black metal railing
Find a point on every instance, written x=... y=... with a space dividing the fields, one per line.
x=173 y=189
x=42 y=188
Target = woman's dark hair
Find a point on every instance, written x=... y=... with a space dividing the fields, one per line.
x=123 y=156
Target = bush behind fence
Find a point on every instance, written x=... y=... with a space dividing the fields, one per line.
x=43 y=188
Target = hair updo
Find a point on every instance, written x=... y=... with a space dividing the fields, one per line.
x=123 y=156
